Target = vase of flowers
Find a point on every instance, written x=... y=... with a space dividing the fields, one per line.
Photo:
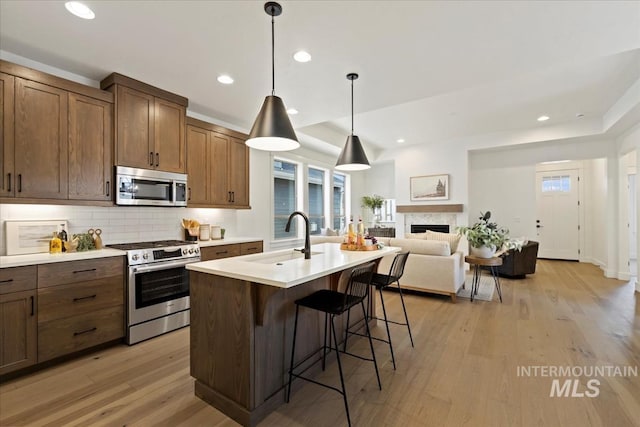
x=373 y=202
x=484 y=237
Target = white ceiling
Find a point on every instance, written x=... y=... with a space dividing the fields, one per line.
x=429 y=71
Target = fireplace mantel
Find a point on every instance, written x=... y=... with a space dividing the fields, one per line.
x=429 y=208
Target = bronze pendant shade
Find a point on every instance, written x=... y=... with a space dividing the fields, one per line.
x=272 y=130
x=352 y=157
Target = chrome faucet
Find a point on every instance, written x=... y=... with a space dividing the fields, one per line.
x=307 y=239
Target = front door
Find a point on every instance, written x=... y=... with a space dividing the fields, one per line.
x=557 y=221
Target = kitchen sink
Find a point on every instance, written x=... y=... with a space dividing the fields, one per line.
x=279 y=257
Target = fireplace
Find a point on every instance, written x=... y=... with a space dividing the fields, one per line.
x=421 y=228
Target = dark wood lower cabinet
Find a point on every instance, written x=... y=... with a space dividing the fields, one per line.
x=18 y=329
x=70 y=334
x=208 y=253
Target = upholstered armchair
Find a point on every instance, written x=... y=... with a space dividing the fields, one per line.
x=516 y=264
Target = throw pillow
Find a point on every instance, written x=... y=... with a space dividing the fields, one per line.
x=415 y=236
x=453 y=239
x=329 y=232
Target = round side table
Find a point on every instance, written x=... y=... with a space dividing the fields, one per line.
x=477 y=263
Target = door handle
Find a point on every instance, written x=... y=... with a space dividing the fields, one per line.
x=150 y=158
x=19 y=183
x=32 y=306
x=9 y=186
x=107 y=188
x=233 y=196
x=157 y=159
x=189 y=198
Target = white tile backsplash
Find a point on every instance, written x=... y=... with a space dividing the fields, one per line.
x=120 y=224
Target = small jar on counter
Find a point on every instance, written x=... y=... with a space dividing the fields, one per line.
x=205 y=231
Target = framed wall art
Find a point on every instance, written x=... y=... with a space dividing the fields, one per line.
x=430 y=187
x=30 y=237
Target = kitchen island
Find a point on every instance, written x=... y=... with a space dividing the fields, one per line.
x=242 y=315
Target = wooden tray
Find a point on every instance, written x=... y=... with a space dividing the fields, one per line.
x=352 y=247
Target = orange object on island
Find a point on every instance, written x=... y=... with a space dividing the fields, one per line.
x=352 y=247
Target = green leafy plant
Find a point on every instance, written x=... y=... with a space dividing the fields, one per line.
x=485 y=233
x=372 y=202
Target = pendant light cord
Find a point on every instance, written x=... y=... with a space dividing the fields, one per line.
x=351 y=107
x=273 y=60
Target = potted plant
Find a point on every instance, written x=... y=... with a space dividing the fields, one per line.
x=484 y=237
x=373 y=202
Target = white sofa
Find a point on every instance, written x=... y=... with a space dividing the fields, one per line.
x=431 y=267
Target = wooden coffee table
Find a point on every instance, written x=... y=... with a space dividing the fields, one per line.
x=477 y=263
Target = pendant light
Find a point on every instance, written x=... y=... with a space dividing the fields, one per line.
x=352 y=157
x=272 y=130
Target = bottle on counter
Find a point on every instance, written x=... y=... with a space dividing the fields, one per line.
x=55 y=244
x=360 y=235
x=62 y=234
x=351 y=234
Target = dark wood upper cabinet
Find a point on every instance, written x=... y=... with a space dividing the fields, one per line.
x=217 y=165
x=7 y=184
x=41 y=118
x=90 y=148
x=56 y=139
x=198 y=170
x=134 y=128
x=150 y=125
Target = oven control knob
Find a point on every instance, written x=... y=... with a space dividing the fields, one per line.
x=196 y=250
x=190 y=251
x=145 y=256
x=184 y=252
x=135 y=257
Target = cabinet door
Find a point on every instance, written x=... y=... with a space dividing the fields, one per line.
x=169 y=136
x=7 y=182
x=41 y=155
x=238 y=171
x=90 y=148
x=135 y=129
x=198 y=141
x=18 y=329
x=220 y=191
x=209 y=253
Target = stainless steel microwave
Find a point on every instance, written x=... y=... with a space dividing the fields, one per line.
x=144 y=187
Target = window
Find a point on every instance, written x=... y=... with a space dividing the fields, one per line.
x=339 y=201
x=556 y=183
x=316 y=190
x=316 y=200
x=285 y=198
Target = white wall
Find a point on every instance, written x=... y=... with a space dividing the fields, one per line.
x=595 y=213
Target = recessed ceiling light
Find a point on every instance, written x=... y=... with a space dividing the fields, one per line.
x=400 y=140
x=80 y=10
x=543 y=118
x=302 y=56
x=292 y=111
x=225 y=80
x=579 y=115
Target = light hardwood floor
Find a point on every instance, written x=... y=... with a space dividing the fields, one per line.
x=462 y=371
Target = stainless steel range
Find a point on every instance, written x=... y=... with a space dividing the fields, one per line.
x=157 y=286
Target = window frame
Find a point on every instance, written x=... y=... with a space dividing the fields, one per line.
x=302 y=194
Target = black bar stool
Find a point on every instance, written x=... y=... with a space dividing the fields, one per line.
x=381 y=281
x=332 y=304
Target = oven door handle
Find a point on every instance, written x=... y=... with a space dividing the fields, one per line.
x=162 y=266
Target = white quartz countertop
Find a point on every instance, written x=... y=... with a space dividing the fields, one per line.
x=46 y=258
x=228 y=241
x=286 y=268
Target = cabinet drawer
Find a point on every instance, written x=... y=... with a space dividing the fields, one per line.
x=64 y=336
x=62 y=273
x=250 y=248
x=78 y=298
x=218 y=252
x=16 y=279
